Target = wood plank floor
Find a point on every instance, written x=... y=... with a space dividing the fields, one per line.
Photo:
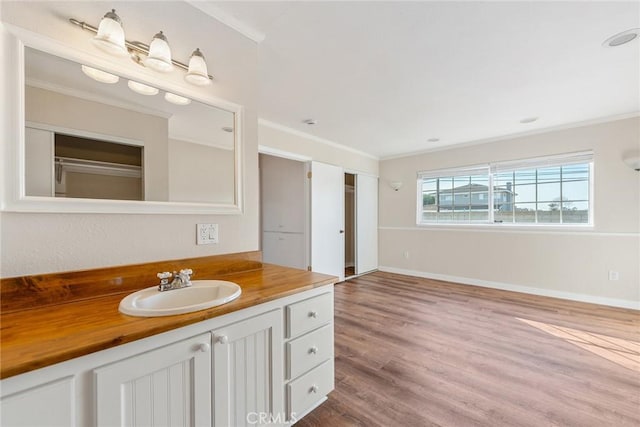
x=419 y=352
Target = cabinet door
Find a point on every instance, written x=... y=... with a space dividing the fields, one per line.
x=167 y=386
x=285 y=249
x=248 y=372
x=46 y=405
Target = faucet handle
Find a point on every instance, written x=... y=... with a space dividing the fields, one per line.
x=164 y=275
x=186 y=271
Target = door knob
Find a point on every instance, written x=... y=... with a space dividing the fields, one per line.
x=341 y=231
x=313 y=350
x=314 y=389
x=222 y=339
x=204 y=347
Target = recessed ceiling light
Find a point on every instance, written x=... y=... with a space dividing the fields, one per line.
x=99 y=75
x=433 y=139
x=142 y=89
x=622 y=38
x=310 y=121
x=176 y=99
x=227 y=129
x=529 y=120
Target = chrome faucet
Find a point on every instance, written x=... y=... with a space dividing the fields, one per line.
x=180 y=280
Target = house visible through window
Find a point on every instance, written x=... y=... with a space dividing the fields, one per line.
x=549 y=190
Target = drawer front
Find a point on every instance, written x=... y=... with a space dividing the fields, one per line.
x=306 y=391
x=309 y=351
x=309 y=314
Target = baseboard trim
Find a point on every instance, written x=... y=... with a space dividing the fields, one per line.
x=613 y=302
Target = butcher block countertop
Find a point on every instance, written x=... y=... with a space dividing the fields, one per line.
x=52 y=318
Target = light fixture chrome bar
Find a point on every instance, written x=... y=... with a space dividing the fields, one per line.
x=135 y=46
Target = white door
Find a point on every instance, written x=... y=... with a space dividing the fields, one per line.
x=327 y=219
x=248 y=372
x=366 y=223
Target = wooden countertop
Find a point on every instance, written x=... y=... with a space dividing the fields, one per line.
x=37 y=337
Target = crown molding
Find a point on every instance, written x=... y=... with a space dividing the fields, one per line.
x=540 y=131
x=305 y=135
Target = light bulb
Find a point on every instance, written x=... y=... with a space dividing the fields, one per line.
x=142 y=89
x=197 y=73
x=176 y=99
x=99 y=75
x=159 y=58
x=110 y=37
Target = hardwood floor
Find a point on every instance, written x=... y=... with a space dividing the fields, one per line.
x=419 y=352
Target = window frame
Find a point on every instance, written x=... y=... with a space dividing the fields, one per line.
x=492 y=169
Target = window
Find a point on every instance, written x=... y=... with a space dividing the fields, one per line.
x=549 y=190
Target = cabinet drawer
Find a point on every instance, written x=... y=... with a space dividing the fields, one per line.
x=309 y=351
x=309 y=314
x=309 y=389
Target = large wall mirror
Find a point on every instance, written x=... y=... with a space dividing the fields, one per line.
x=92 y=136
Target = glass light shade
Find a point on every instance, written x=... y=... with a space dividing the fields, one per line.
x=176 y=99
x=99 y=75
x=142 y=89
x=197 y=73
x=159 y=58
x=110 y=37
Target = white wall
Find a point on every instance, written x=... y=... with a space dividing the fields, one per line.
x=34 y=243
x=200 y=173
x=571 y=263
x=290 y=141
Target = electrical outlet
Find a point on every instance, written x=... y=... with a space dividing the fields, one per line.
x=614 y=275
x=206 y=234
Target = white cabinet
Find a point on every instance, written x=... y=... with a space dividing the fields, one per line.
x=287 y=249
x=167 y=386
x=224 y=371
x=49 y=404
x=310 y=370
x=247 y=366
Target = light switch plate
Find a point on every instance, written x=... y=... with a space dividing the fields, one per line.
x=206 y=234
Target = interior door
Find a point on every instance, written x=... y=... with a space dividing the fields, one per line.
x=327 y=219
x=366 y=223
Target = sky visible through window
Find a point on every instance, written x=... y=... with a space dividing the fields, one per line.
x=558 y=194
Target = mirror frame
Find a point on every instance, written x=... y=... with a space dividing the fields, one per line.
x=14 y=198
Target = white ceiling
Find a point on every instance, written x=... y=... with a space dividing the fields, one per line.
x=384 y=77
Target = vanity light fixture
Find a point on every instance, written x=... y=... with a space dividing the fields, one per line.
x=99 y=75
x=197 y=73
x=176 y=99
x=157 y=56
x=110 y=35
x=142 y=89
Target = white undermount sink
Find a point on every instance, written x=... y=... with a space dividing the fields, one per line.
x=200 y=295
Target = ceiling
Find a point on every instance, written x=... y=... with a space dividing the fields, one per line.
x=385 y=77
